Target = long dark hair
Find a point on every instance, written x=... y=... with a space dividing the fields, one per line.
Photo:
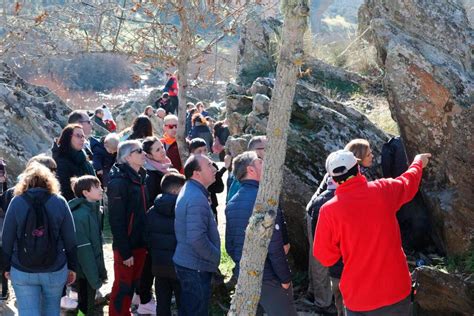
x=64 y=141
x=148 y=143
x=141 y=128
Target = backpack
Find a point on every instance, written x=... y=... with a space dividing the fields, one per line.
x=37 y=246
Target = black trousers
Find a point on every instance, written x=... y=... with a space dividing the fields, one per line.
x=146 y=282
x=164 y=289
x=85 y=297
x=401 y=308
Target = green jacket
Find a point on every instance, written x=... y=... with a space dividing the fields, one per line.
x=87 y=219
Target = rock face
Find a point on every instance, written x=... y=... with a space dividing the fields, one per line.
x=441 y=293
x=318 y=127
x=257 y=46
x=32 y=117
x=426 y=48
x=125 y=113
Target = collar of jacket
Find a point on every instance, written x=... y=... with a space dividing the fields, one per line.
x=135 y=177
x=253 y=183
x=199 y=186
x=351 y=184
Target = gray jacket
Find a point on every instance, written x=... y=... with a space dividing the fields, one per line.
x=198 y=243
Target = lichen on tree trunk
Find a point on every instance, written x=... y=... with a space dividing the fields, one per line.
x=260 y=228
x=185 y=42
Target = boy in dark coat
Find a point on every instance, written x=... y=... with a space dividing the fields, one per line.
x=161 y=241
x=91 y=272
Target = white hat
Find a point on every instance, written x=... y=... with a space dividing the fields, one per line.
x=340 y=158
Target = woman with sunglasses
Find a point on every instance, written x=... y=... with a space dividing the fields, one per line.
x=71 y=158
x=127 y=195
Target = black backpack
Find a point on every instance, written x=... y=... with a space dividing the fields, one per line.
x=37 y=246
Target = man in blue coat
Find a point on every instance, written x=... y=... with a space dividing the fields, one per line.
x=277 y=294
x=198 y=247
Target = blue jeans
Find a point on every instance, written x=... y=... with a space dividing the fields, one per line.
x=38 y=293
x=195 y=291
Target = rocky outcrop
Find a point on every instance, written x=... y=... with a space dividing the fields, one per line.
x=426 y=49
x=125 y=113
x=257 y=47
x=318 y=127
x=31 y=118
x=442 y=293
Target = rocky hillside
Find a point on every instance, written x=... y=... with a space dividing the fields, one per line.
x=31 y=117
x=319 y=126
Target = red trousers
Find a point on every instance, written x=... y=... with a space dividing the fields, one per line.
x=125 y=281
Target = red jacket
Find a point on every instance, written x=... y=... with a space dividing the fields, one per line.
x=360 y=225
x=172 y=87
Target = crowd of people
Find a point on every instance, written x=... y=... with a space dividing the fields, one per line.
x=163 y=220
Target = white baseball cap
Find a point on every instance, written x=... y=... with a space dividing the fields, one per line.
x=340 y=158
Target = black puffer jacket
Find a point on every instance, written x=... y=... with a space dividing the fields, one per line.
x=160 y=235
x=153 y=184
x=70 y=164
x=128 y=196
x=313 y=207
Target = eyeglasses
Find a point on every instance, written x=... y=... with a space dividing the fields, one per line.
x=86 y=121
x=139 y=150
x=171 y=126
x=80 y=136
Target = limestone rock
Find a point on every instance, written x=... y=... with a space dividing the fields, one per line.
x=426 y=50
x=236 y=123
x=257 y=47
x=239 y=103
x=261 y=104
x=237 y=145
x=318 y=126
x=32 y=117
x=125 y=113
x=262 y=85
x=441 y=293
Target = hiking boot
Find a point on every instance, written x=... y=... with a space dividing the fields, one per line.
x=147 y=309
x=68 y=303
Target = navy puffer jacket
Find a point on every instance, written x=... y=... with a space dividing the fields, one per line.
x=238 y=211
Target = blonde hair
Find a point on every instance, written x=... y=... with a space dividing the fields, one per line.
x=359 y=147
x=37 y=175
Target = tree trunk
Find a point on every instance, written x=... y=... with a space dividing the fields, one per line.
x=186 y=36
x=261 y=223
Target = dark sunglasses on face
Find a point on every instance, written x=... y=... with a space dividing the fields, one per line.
x=139 y=150
x=171 y=126
x=87 y=121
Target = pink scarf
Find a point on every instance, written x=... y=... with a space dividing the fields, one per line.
x=163 y=167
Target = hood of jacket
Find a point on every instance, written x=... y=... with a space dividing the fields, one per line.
x=78 y=203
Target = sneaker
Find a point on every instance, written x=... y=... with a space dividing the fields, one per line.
x=135 y=299
x=68 y=303
x=148 y=308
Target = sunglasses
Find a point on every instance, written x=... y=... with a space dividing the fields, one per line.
x=139 y=150
x=88 y=122
x=171 y=126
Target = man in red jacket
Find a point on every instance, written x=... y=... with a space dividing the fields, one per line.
x=360 y=225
